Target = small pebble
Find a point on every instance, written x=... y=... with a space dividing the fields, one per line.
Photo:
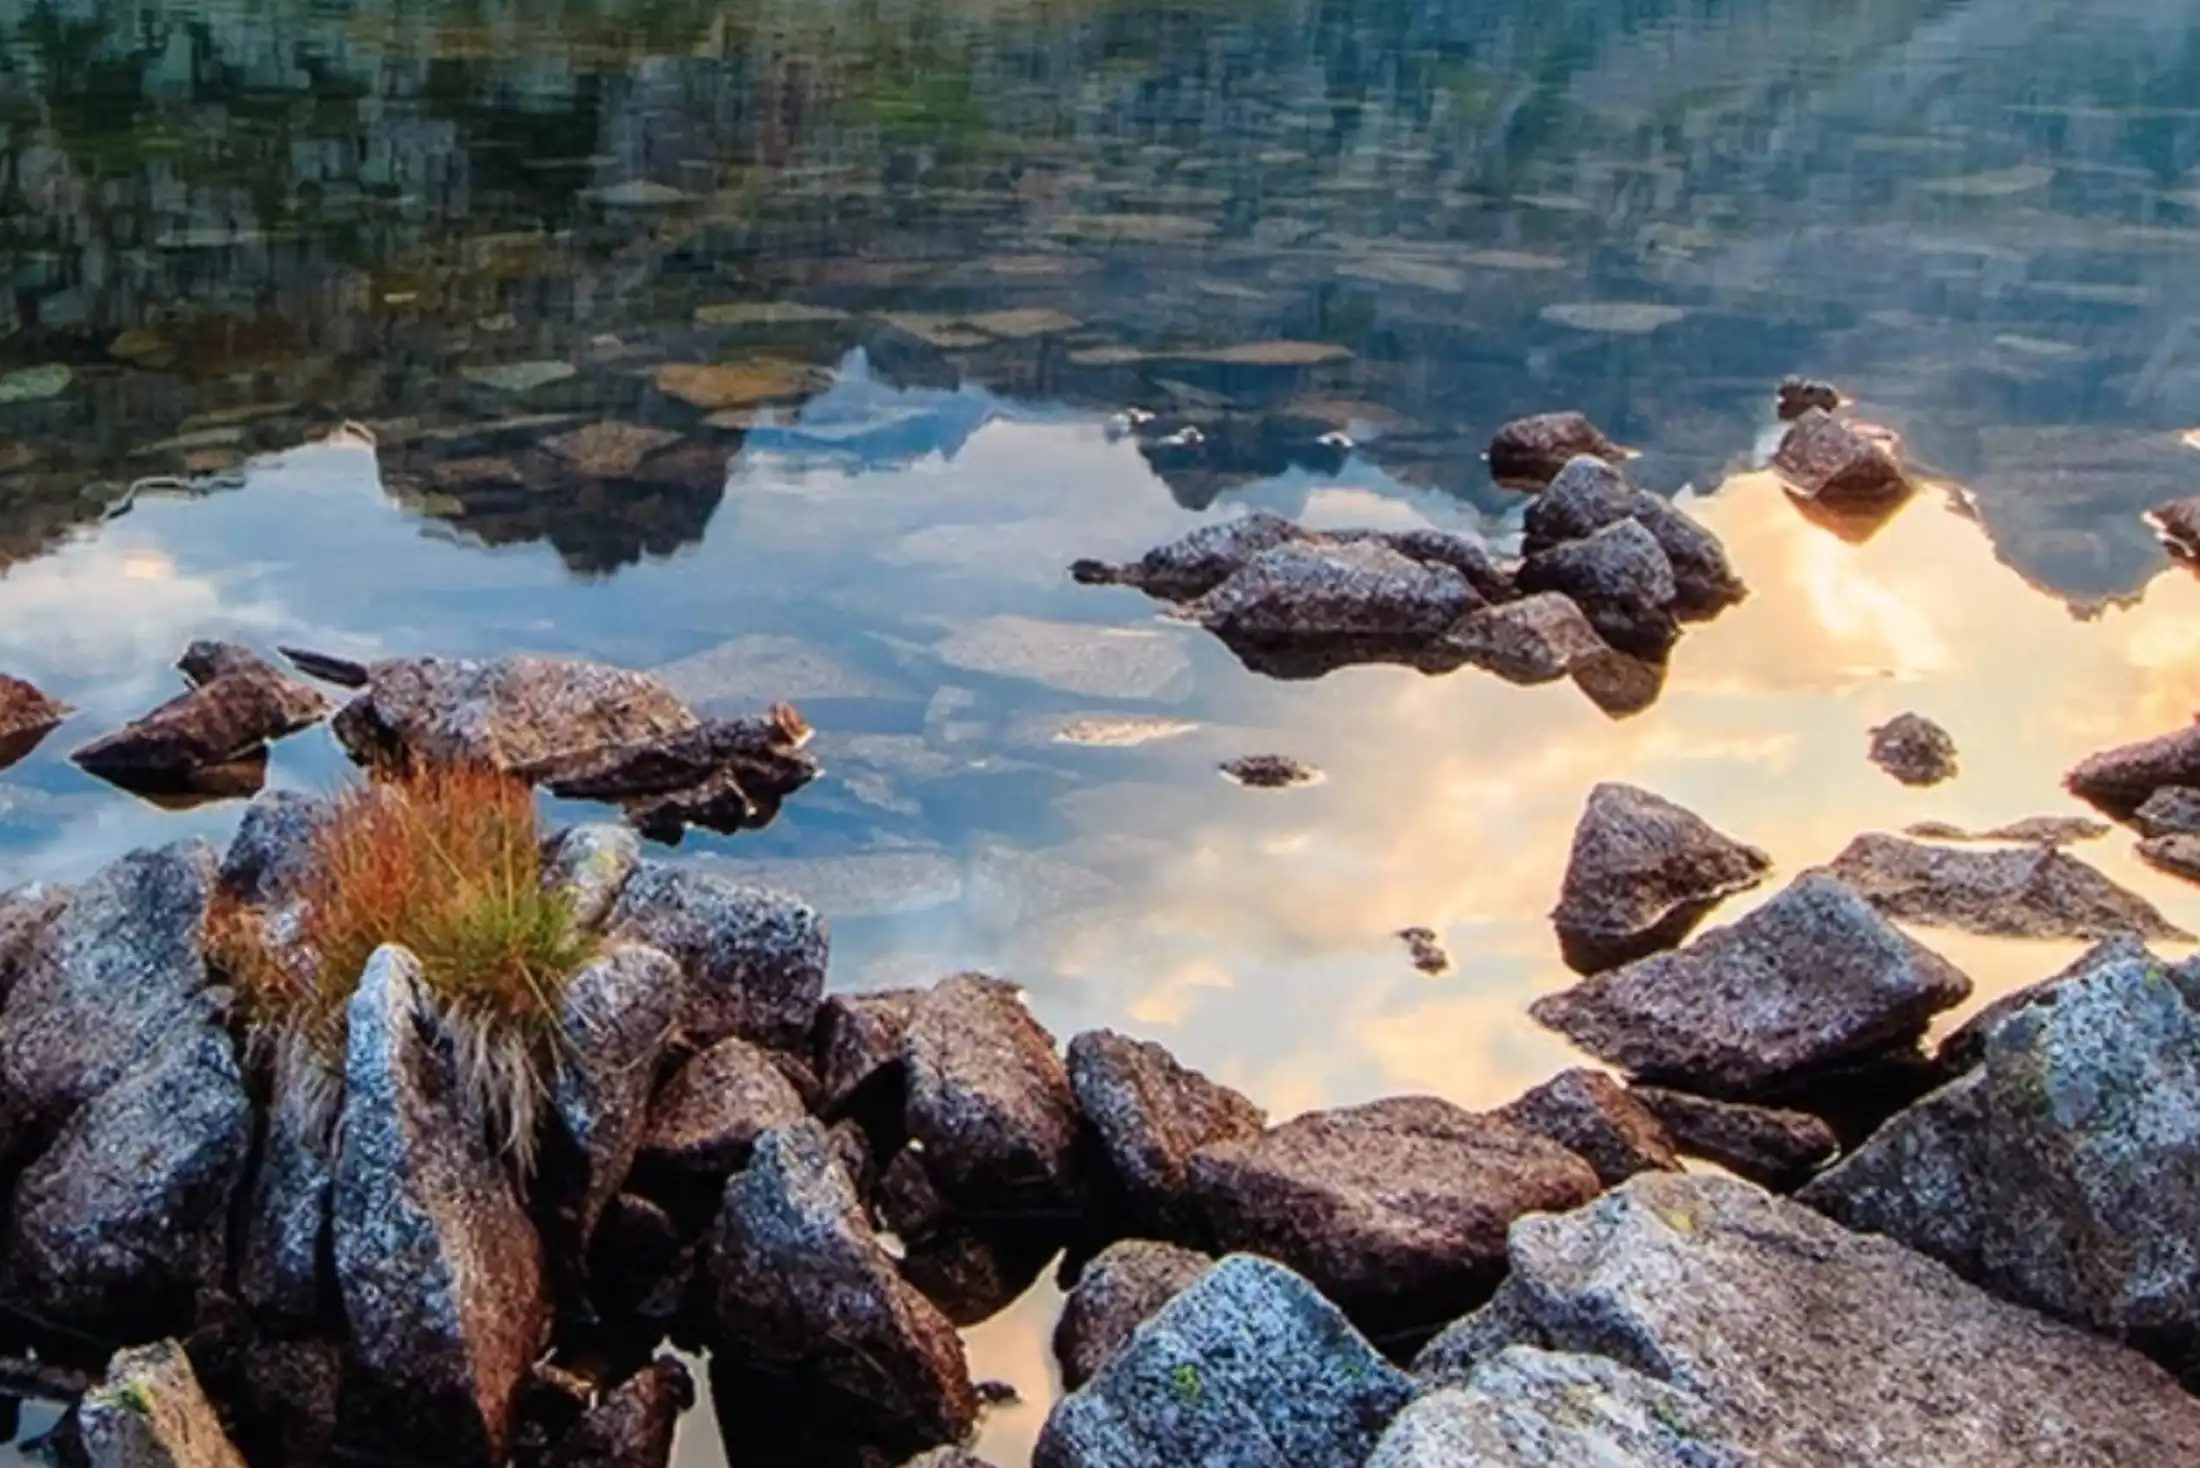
x=1271 y=772
x=1428 y=954
x=1914 y=750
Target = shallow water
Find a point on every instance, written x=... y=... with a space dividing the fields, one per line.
x=980 y=231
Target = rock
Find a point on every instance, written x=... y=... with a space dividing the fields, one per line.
x=1270 y=772
x=2177 y=526
x=1246 y=1368
x=723 y=774
x=206 y=659
x=906 y=1198
x=1914 y=750
x=1326 y=592
x=519 y=377
x=1119 y=1291
x=1642 y=874
x=511 y=713
x=709 y=1115
x=1921 y=1179
x=632 y=1426
x=1467 y=554
x=1772 y=1148
x=27 y=914
x=440 y=1271
x=1811 y=980
x=947 y=1458
x=214 y=724
x=272 y=852
x=1529 y=452
x=1426 y=950
x=1188 y=568
x=2119 y=781
x=151 y=1413
x=974 y=1271
x=1151 y=1114
x=1537 y=639
x=610 y=450
x=857 y=1052
x=1622 y=582
x=282 y=1272
x=800 y=1288
x=1589 y=494
x=286 y=1398
x=1808 y=1344
x=2173 y=810
x=26 y=716
x=1965 y=1045
x=1598 y=1120
x=1796 y=396
x=713 y=388
x=642 y=1264
x=989 y=1100
x=122 y=1223
x=754 y=959
x=2029 y=892
x=1397 y=1210
x=1526 y=1408
x=591 y=865
x=116 y=978
x=1828 y=461
x=2177 y=855
x=616 y=1018
x=2031 y=830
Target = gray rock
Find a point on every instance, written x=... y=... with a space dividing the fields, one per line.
x=1325 y=591
x=1807 y=1344
x=26 y=914
x=1598 y=1120
x=1622 y=582
x=1642 y=874
x=1189 y=567
x=2177 y=855
x=2028 y=892
x=617 y=1016
x=1773 y=1148
x=989 y=1100
x=1151 y=1114
x=1811 y=980
x=207 y=659
x=1119 y=1290
x=286 y=1398
x=121 y=1224
x=1531 y=451
x=1537 y=639
x=1248 y=1368
x=1397 y=1210
x=1965 y=1045
x=151 y=1413
x=947 y=1458
x=1589 y=494
x=2173 y=810
x=2031 y=830
x=440 y=1271
x=632 y=1426
x=218 y=723
x=754 y=959
x=272 y=851
x=282 y=1272
x=857 y=1048
x=2119 y=781
x=1920 y=1179
x=1827 y=461
x=709 y=1115
x=1526 y=1408
x=1467 y=554
x=801 y=1289
x=1914 y=750
x=591 y=865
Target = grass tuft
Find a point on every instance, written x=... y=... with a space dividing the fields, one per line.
x=444 y=860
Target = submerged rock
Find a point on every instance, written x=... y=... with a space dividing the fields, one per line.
x=1828 y=461
x=754 y=959
x=1537 y=639
x=1247 y=1367
x=439 y=1269
x=1315 y=591
x=1119 y=1291
x=1270 y=772
x=2031 y=892
x=2173 y=810
x=1914 y=750
x=220 y=722
x=616 y=1018
x=150 y=1412
x=989 y=1100
x=1152 y=1113
x=1195 y=564
x=1642 y=874
x=1589 y=495
x=1813 y=979
x=1397 y=1210
x=1772 y=1148
x=1526 y=1408
x=1598 y=1120
x=708 y=1117
x=1530 y=451
x=2119 y=781
x=1622 y=582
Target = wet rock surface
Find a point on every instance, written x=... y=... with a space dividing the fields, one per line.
x=1117 y=1292
x=989 y=1100
x=708 y=1117
x=754 y=959
x=2119 y=781
x=1770 y=1147
x=2036 y=892
x=725 y=775
x=1914 y=750
x=1248 y=1366
x=1642 y=873
x=220 y=722
x=151 y=1413
x=1529 y=452
x=1827 y=460
x=1621 y=580
x=1806 y=1343
x=1151 y=1113
x=1588 y=495
x=1396 y=1210
x=1812 y=979
x=1188 y=568
x=1598 y=1120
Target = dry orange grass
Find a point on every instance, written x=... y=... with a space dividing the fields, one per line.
x=446 y=861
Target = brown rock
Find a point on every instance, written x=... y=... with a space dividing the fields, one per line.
x=1316 y=591
x=2030 y=892
x=1772 y=1148
x=1152 y=1113
x=1189 y=567
x=1827 y=460
x=709 y=1115
x=27 y=716
x=1529 y=452
x=632 y=1426
x=1589 y=495
x=610 y=450
x=754 y=959
x=1270 y=772
x=1620 y=578
x=741 y=385
x=1118 y=1291
x=2030 y=830
x=857 y=1047
x=1798 y=395
x=2118 y=781
x=989 y=1100
x=1396 y=1210
x=642 y=1265
x=1914 y=750
x=974 y=1271
x=1642 y=874
x=723 y=774
x=1537 y=639
x=1598 y=1120
x=217 y=723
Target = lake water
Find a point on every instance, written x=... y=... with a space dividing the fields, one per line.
x=946 y=245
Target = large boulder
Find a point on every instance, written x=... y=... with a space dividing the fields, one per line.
x=1642 y=874
x=1247 y=1368
x=801 y=1291
x=754 y=959
x=439 y=1269
x=150 y=1412
x=1621 y=580
x=1151 y=1114
x=1327 y=591
x=989 y=1101
x=1537 y=639
x=26 y=912
x=708 y=1117
x=232 y=717
x=2015 y=892
x=1396 y=1210
x=2118 y=781
x=1598 y=1120
x=616 y=1016
x=1118 y=1291
x=1804 y=1343
x=1811 y=980
x=1529 y=452
x=1589 y=494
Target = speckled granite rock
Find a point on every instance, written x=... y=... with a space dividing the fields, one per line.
x=1151 y=1113
x=1642 y=873
x=1119 y=1290
x=754 y=959
x=1598 y=1120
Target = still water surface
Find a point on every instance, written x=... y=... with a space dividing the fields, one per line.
x=945 y=245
